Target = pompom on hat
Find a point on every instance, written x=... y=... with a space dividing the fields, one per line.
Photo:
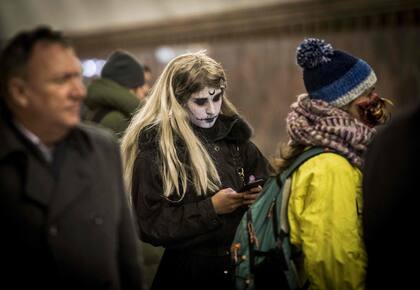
x=333 y=75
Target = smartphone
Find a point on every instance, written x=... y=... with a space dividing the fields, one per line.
x=252 y=184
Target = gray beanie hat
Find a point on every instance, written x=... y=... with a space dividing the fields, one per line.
x=124 y=69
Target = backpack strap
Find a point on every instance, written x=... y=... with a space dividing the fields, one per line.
x=251 y=240
x=307 y=154
x=282 y=180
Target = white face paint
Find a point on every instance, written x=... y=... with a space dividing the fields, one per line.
x=204 y=106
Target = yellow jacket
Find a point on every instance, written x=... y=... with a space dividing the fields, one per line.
x=325 y=222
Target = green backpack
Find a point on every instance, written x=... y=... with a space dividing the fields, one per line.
x=261 y=250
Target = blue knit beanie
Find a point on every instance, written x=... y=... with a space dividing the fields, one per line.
x=333 y=75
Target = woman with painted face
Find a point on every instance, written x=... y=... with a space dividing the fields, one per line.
x=187 y=153
x=338 y=114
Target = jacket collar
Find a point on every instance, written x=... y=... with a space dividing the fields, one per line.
x=232 y=128
x=9 y=143
x=226 y=127
x=40 y=185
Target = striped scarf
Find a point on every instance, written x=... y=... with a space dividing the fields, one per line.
x=317 y=123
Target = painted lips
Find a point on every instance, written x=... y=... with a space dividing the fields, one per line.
x=208 y=120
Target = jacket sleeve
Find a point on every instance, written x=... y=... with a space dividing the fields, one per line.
x=164 y=223
x=325 y=224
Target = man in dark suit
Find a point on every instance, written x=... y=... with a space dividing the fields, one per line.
x=64 y=218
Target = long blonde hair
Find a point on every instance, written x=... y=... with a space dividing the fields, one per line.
x=164 y=110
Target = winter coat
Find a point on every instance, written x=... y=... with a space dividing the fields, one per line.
x=324 y=213
x=197 y=240
x=117 y=104
x=66 y=225
x=114 y=102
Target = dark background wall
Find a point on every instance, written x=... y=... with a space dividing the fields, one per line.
x=256 y=46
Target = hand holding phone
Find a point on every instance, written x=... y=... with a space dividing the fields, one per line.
x=252 y=184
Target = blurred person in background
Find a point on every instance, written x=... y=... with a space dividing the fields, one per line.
x=187 y=154
x=390 y=213
x=338 y=113
x=65 y=219
x=113 y=99
x=148 y=79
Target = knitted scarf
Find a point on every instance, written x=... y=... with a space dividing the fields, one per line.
x=317 y=123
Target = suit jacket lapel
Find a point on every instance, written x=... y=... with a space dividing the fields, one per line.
x=39 y=182
x=74 y=180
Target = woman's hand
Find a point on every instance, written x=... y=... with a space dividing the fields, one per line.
x=227 y=200
x=251 y=195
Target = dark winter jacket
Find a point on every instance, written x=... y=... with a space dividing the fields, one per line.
x=65 y=225
x=191 y=226
x=110 y=105
x=193 y=223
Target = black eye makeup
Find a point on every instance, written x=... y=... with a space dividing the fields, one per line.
x=200 y=101
x=203 y=101
x=217 y=97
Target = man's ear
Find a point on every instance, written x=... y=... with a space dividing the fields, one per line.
x=17 y=91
